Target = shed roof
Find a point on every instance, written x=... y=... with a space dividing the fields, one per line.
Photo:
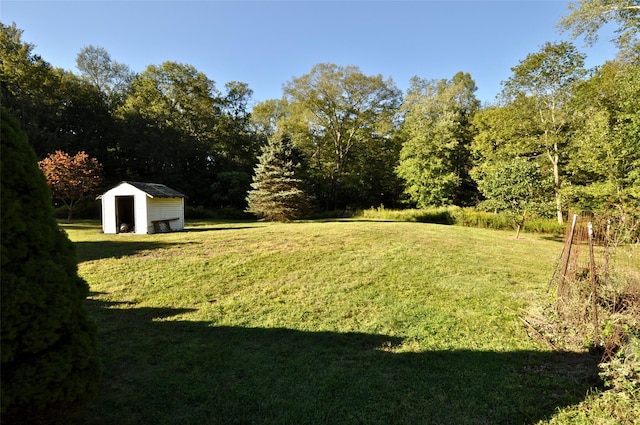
x=154 y=190
x=157 y=190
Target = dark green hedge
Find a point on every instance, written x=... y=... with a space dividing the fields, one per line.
x=49 y=362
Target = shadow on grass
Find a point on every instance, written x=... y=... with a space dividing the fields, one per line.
x=88 y=251
x=159 y=370
x=216 y=228
x=553 y=238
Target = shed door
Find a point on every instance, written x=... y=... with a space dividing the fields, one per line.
x=125 y=214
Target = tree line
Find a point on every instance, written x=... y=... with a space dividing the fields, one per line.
x=558 y=137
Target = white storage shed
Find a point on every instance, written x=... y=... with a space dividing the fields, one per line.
x=142 y=208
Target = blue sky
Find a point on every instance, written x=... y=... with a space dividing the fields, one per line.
x=267 y=43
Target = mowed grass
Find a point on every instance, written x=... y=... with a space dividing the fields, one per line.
x=352 y=322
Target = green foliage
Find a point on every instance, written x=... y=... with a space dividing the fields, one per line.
x=490 y=220
x=199 y=212
x=602 y=408
x=175 y=96
x=49 y=362
x=171 y=112
x=588 y=16
x=484 y=219
x=515 y=187
x=230 y=189
x=236 y=144
x=603 y=168
x=541 y=86
x=435 y=159
x=370 y=179
x=544 y=225
x=278 y=193
x=170 y=124
x=56 y=109
x=622 y=371
x=110 y=77
x=87 y=209
x=342 y=120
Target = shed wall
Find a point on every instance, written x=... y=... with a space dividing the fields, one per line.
x=146 y=209
x=140 y=202
x=109 y=220
x=109 y=214
x=163 y=209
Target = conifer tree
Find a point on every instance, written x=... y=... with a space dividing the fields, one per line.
x=277 y=193
x=49 y=363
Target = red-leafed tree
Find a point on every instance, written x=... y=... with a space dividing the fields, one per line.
x=71 y=178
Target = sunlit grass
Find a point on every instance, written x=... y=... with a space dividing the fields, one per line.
x=333 y=322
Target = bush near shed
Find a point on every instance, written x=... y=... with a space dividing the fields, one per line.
x=49 y=362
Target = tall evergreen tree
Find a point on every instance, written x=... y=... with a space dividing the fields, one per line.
x=277 y=193
x=49 y=362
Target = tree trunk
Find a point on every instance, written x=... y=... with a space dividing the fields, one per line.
x=559 y=206
x=70 y=211
x=556 y=183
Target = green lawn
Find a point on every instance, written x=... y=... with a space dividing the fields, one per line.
x=353 y=322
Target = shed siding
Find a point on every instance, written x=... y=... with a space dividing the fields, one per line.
x=146 y=209
x=165 y=208
x=109 y=214
x=140 y=200
x=109 y=224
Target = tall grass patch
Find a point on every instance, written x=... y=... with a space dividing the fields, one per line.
x=436 y=215
x=468 y=217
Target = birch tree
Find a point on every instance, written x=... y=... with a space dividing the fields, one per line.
x=546 y=80
x=587 y=17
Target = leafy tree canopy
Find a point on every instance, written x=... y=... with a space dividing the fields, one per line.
x=587 y=17
x=110 y=77
x=71 y=178
x=603 y=167
x=435 y=159
x=546 y=80
x=334 y=111
x=515 y=186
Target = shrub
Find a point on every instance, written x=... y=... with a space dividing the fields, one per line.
x=49 y=362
